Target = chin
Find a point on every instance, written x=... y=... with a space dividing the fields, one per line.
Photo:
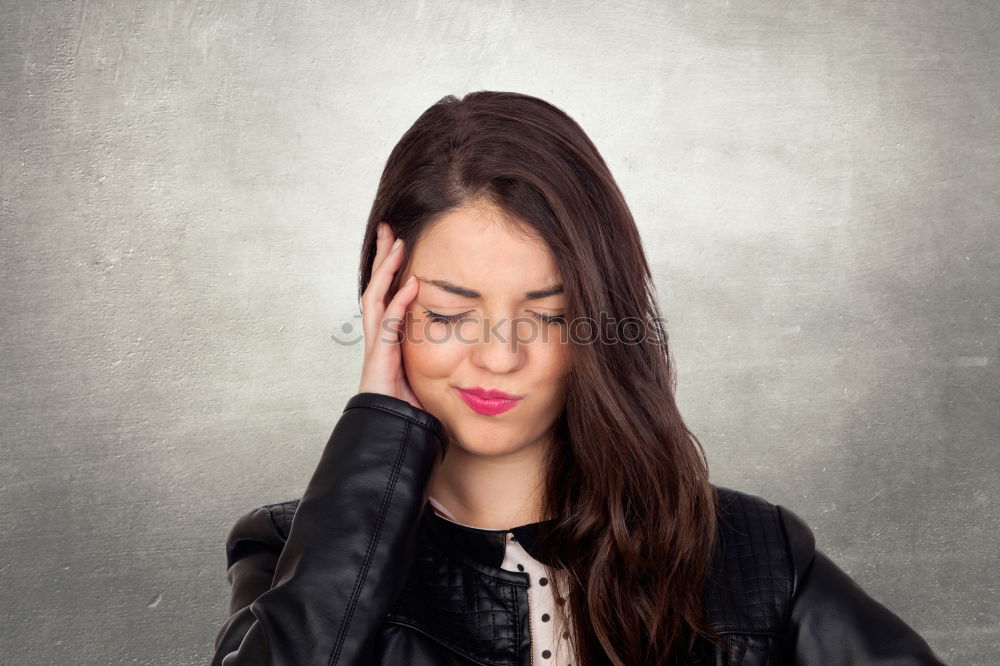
x=484 y=448
x=470 y=436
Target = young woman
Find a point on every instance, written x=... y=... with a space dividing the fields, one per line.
x=513 y=484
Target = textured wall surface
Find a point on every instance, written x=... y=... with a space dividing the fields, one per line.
x=183 y=190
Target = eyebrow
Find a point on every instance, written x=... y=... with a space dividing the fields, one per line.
x=471 y=293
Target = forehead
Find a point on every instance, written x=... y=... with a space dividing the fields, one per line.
x=475 y=247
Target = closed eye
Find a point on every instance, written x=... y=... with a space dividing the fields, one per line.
x=450 y=319
x=446 y=319
x=551 y=319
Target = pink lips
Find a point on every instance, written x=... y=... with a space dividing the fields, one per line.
x=486 y=402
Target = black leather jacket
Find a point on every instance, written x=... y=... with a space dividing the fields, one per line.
x=362 y=571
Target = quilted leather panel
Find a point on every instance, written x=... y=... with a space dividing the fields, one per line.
x=282 y=514
x=471 y=612
x=750 y=587
x=747 y=650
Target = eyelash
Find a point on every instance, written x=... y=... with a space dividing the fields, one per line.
x=450 y=319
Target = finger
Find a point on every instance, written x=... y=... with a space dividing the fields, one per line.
x=396 y=310
x=377 y=329
x=373 y=299
x=381 y=277
x=382 y=243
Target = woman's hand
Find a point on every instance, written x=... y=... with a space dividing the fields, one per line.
x=382 y=324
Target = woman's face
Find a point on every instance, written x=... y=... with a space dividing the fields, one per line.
x=467 y=264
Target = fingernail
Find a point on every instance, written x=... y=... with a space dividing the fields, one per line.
x=378 y=231
x=410 y=279
x=396 y=244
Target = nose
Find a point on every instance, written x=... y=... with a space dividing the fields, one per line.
x=499 y=349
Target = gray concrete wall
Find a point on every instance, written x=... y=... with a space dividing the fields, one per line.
x=183 y=190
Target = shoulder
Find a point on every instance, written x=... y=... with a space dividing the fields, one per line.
x=266 y=524
x=749 y=521
x=762 y=551
x=253 y=546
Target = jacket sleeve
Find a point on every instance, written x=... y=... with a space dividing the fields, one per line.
x=833 y=620
x=320 y=596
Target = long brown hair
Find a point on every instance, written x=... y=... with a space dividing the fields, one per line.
x=628 y=482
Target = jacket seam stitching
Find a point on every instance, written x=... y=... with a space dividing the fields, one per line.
x=747 y=632
x=450 y=646
x=282 y=534
x=270 y=520
x=390 y=410
x=796 y=583
x=370 y=554
x=517 y=630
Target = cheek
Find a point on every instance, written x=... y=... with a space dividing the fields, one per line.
x=428 y=353
x=556 y=359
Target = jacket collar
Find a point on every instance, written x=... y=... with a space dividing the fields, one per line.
x=748 y=588
x=485 y=546
x=458 y=595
